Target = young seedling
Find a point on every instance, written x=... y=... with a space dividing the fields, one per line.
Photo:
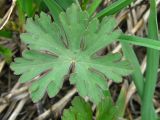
x=105 y=110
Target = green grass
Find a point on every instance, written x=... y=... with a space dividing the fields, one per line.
x=145 y=89
x=152 y=66
x=114 y=8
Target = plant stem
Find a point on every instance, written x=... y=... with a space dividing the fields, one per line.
x=93 y=7
x=152 y=67
x=137 y=75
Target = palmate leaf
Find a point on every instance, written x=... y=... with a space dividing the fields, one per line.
x=80 y=110
x=106 y=109
x=55 y=48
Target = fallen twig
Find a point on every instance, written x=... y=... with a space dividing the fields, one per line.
x=7 y=15
x=18 y=109
x=58 y=106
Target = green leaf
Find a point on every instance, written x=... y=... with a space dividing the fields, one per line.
x=114 y=8
x=21 y=14
x=6 y=33
x=6 y=53
x=65 y=3
x=137 y=75
x=80 y=110
x=70 y=44
x=121 y=101
x=54 y=8
x=84 y=4
x=27 y=7
x=148 y=110
x=146 y=42
x=94 y=6
x=107 y=110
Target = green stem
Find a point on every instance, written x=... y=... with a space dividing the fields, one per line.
x=93 y=7
x=152 y=66
x=114 y=8
x=137 y=75
x=21 y=15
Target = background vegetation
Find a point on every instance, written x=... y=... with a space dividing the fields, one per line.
x=136 y=97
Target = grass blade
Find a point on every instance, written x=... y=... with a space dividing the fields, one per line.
x=94 y=6
x=65 y=3
x=114 y=8
x=54 y=8
x=29 y=8
x=5 y=33
x=21 y=14
x=137 y=75
x=121 y=101
x=145 y=42
x=152 y=66
x=84 y=4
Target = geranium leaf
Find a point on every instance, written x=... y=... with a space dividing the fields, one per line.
x=72 y=43
x=80 y=110
x=108 y=110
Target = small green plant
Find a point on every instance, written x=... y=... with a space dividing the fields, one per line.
x=80 y=110
x=29 y=7
x=68 y=47
x=6 y=53
x=71 y=44
x=105 y=110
